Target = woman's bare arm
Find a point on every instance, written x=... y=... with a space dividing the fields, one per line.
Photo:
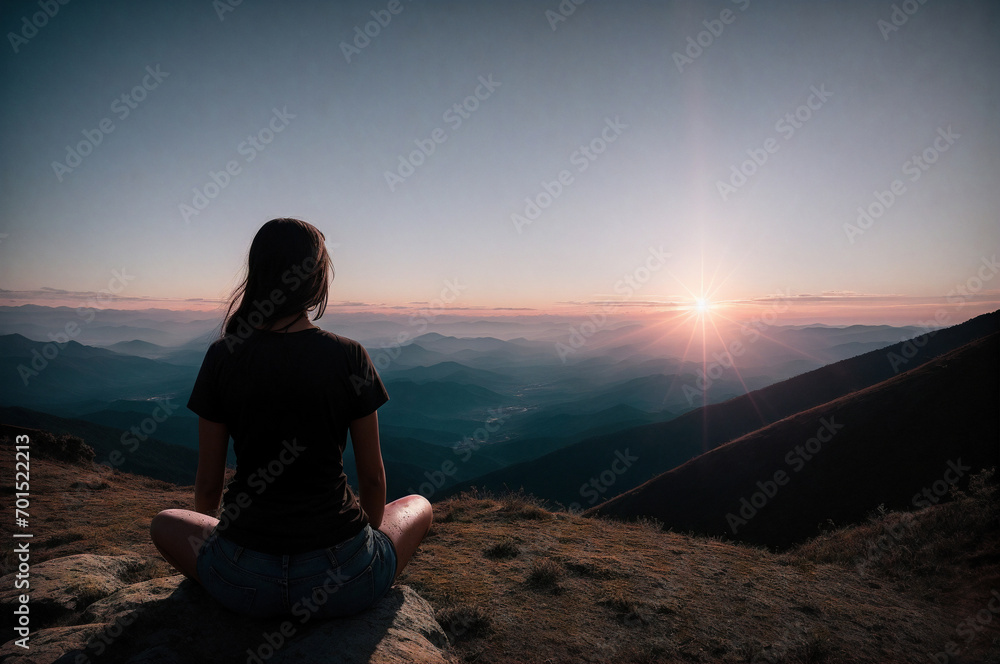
x=213 y=442
x=371 y=471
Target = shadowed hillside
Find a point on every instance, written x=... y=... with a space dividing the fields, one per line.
x=902 y=442
x=568 y=475
x=114 y=447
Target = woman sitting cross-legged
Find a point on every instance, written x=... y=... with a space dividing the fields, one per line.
x=293 y=537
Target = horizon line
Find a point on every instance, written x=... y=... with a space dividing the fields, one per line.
x=841 y=306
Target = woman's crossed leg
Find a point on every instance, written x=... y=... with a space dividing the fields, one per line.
x=178 y=534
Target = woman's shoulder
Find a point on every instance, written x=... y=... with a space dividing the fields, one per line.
x=315 y=338
x=354 y=351
x=333 y=339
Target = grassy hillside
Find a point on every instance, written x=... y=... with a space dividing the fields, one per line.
x=85 y=507
x=512 y=582
x=150 y=457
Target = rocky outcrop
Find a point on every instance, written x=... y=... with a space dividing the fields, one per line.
x=172 y=620
x=63 y=586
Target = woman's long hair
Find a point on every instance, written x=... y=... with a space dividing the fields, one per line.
x=288 y=272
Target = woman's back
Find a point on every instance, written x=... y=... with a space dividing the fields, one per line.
x=288 y=399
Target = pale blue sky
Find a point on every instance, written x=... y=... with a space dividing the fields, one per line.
x=654 y=186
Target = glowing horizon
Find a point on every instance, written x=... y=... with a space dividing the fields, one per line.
x=520 y=165
x=785 y=309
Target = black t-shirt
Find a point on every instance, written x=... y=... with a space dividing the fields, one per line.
x=287 y=399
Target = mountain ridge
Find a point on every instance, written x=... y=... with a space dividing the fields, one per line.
x=887 y=442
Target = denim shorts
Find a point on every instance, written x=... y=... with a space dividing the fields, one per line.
x=339 y=581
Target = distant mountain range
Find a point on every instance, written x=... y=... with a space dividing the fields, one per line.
x=190 y=354
x=75 y=378
x=503 y=411
x=103 y=327
x=568 y=475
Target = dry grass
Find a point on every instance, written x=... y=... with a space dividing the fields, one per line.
x=590 y=590
x=89 y=509
x=88 y=590
x=545 y=574
x=512 y=582
x=919 y=548
x=505 y=548
x=464 y=621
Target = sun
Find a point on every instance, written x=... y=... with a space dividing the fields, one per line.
x=702 y=305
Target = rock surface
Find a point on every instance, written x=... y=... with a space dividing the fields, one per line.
x=62 y=586
x=172 y=620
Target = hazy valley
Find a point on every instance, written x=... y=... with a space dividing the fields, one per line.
x=467 y=397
